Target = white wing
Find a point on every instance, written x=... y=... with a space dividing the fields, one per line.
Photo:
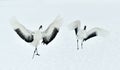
x=50 y=33
x=74 y=24
x=96 y=32
x=21 y=30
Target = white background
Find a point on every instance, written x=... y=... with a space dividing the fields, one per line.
x=61 y=54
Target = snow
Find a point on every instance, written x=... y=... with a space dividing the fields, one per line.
x=100 y=53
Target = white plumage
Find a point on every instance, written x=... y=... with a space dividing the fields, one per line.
x=34 y=37
x=84 y=35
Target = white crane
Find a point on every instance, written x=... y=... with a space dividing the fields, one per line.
x=84 y=35
x=34 y=37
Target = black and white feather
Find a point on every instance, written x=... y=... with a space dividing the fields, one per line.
x=34 y=37
x=24 y=33
x=84 y=35
x=50 y=33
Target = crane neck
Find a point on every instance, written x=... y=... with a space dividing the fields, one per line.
x=85 y=27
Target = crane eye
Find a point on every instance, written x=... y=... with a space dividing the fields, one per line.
x=40 y=27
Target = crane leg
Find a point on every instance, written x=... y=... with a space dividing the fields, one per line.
x=35 y=52
x=77 y=45
x=82 y=44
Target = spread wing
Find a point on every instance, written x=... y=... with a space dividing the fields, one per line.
x=50 y=33
x=95 y=32
x=21 y=30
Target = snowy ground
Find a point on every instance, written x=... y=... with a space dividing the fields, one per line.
x=61 y=54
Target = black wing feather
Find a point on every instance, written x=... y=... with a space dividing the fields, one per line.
x=26 y=38
x=90 y=36
x=54 y=33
